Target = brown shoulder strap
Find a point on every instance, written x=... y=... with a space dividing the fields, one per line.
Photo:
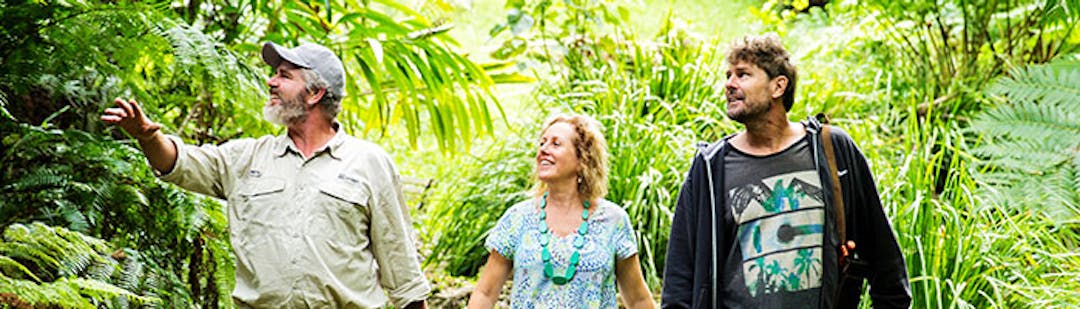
x=838 y=197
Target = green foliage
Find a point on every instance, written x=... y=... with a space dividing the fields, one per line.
x=941 y=53
x=184 y=64
x=1031 y=140
x=964 y=249
x=946 y=50
x=543 y=30
x=53 y=267
x=103 y=188
x=464 y=212
x=411 y=75
x=79 y=56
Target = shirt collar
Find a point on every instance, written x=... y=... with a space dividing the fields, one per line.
x=332 y=147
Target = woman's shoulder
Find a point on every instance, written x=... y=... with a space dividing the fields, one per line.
x=609 y=209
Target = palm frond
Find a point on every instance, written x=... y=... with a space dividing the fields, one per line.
x=406 y=71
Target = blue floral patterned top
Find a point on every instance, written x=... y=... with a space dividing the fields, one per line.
x=608 y=240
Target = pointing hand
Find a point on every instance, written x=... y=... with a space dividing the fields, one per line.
x=130 y=117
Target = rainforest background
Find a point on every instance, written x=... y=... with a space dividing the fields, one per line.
x=968 y=112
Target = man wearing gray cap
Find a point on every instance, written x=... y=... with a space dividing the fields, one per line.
x=316 y=216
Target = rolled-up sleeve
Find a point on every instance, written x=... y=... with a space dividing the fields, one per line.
x=392 y=242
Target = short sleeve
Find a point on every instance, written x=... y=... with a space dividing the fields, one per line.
x=502 y=238
x=623 y=237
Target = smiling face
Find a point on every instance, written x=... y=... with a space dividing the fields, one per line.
x=750 y=92
x=287 y=95
x=557 y=158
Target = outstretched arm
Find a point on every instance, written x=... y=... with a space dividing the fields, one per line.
x=158 y=149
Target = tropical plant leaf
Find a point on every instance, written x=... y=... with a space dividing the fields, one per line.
x=1032 y=139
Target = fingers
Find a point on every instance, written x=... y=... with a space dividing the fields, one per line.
x=119 y=111
x=136 y=110
x=128 y=109
x=847 y=248
x=115 y=111
x=124 y=109
x=113 y=115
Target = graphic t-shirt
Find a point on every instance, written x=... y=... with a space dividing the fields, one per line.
x=778 y=213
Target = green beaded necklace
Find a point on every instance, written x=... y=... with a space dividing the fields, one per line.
x=579 y=242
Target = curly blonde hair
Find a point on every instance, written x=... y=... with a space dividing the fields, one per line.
x=591 y=148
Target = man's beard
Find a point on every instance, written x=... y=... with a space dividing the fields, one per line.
x=289 y=111
x=749 y=111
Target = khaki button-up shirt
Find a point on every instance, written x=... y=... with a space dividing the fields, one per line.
x=312 y=232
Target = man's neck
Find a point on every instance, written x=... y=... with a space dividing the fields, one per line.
x=769 y=134
x=311 y=134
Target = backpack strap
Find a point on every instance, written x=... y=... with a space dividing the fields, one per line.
x=838 y=198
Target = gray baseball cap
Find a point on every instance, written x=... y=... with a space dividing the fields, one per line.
x=309 y=56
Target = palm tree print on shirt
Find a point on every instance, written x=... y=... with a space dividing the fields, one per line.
x=780 y=232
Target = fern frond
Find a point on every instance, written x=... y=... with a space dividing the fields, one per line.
x=74 y=264
x=47 y=295
x=8 y=266
x=1058 y=194
x=1048 y=84
x=42 y=259
x=1031 y=156
x=131 y=195
x=131 y=272
x=1031 y=120
x=74 y=216
x=47 y=237
x=101 y=269
x=1033 y=140
x=39 y=250
x=38 y=178
x=90 y=243
x=102 y=291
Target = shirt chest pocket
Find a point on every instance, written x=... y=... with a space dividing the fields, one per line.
x=341 y=210
x=257 y=199
x=259 y=188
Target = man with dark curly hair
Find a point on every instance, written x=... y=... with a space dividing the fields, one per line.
x=758 y=223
